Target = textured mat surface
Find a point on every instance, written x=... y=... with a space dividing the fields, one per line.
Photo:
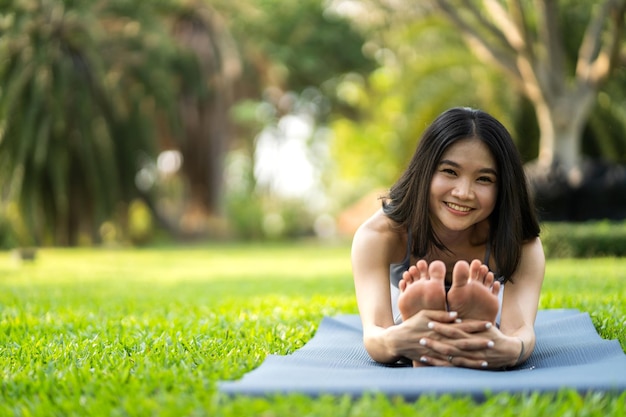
x=569 y=353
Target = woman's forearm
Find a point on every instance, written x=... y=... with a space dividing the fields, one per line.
x=379 y=343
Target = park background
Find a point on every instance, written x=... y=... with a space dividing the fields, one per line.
x=184 y=177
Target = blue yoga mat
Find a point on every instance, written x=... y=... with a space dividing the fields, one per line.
x=569 y=353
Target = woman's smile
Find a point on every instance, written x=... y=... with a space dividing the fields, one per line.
x=457 y=207
x=464 y=188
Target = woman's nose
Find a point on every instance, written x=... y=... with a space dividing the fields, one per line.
x=463 y=190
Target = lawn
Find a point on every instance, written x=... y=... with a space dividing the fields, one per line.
x=149 y=332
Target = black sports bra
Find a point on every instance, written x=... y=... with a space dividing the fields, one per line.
x=396 y=270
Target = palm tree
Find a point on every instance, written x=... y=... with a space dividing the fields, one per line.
x=80 y=84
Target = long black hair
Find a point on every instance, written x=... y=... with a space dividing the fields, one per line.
x=513 y=220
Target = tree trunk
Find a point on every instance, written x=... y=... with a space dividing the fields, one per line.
x=205 y=117
x=561 y=121
x=535 y=59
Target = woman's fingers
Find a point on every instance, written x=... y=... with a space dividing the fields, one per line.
x=451 y=360
x=441 y=335
x=441 y=316
x=460 y=329
x=404 y=341
x=426 y=320
x=469 y=347
x=443 y=354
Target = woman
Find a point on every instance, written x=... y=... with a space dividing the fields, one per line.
x=424 y=264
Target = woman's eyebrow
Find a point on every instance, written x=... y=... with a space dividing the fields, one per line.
x=457 y=165
x=449 y=162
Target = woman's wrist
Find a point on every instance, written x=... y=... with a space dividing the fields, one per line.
x=520 y=358
x=391 y=340
x=381 y=346
x=519 y=353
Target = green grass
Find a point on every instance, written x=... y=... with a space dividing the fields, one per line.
x=149 y=332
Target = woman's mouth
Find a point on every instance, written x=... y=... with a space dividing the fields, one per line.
x=457 y=207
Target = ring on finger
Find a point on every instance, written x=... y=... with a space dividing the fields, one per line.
x=450 y=357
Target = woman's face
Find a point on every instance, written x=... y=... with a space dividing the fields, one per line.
x=463 y=189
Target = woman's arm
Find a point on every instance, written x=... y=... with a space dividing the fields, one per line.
x=372 y=249
x=521 y=299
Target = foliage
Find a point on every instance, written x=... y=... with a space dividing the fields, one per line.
x=604 y=135
x=288 y=45
x=88 y=88
x=584 y=240
x=81 y=83
x=294 y=54
x=255 y=217
x=151 y=331
x=253 y=213
x=424 y=69
x=558 y=54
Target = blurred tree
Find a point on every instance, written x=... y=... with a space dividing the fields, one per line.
x=293 y=56
x=561 y=56
x=604 y=136
x=80 y=84
x=424 y=69
x=427 y=66
x=89 y=92
x=205 y=96
x=293 y=45
x=529 y=42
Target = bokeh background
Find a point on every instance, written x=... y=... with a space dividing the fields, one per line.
x=143 y=122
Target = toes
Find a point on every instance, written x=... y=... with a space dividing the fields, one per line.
x=437 y=270
x=489 y=279
x=416 y=272
x=495 y=289
x=408 y=276
x=484 y=275
x=460 y=273
x=475 y=271
x=422 y=268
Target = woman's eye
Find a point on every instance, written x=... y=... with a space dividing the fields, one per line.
x=448 y=171
x=485 y=179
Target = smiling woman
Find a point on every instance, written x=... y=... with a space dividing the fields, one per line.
x=455 y=228
x=463 y=189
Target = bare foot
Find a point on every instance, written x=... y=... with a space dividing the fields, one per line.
x=474 y=292
x=422 y=288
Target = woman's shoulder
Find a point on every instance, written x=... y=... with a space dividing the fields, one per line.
x=380 y=232
x=379 y=225
x=533 y=247
x=532 y=256
x=531 y=267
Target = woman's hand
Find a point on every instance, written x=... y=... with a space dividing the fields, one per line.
x=403 y=340
x=411 y=338
x=471 y=344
